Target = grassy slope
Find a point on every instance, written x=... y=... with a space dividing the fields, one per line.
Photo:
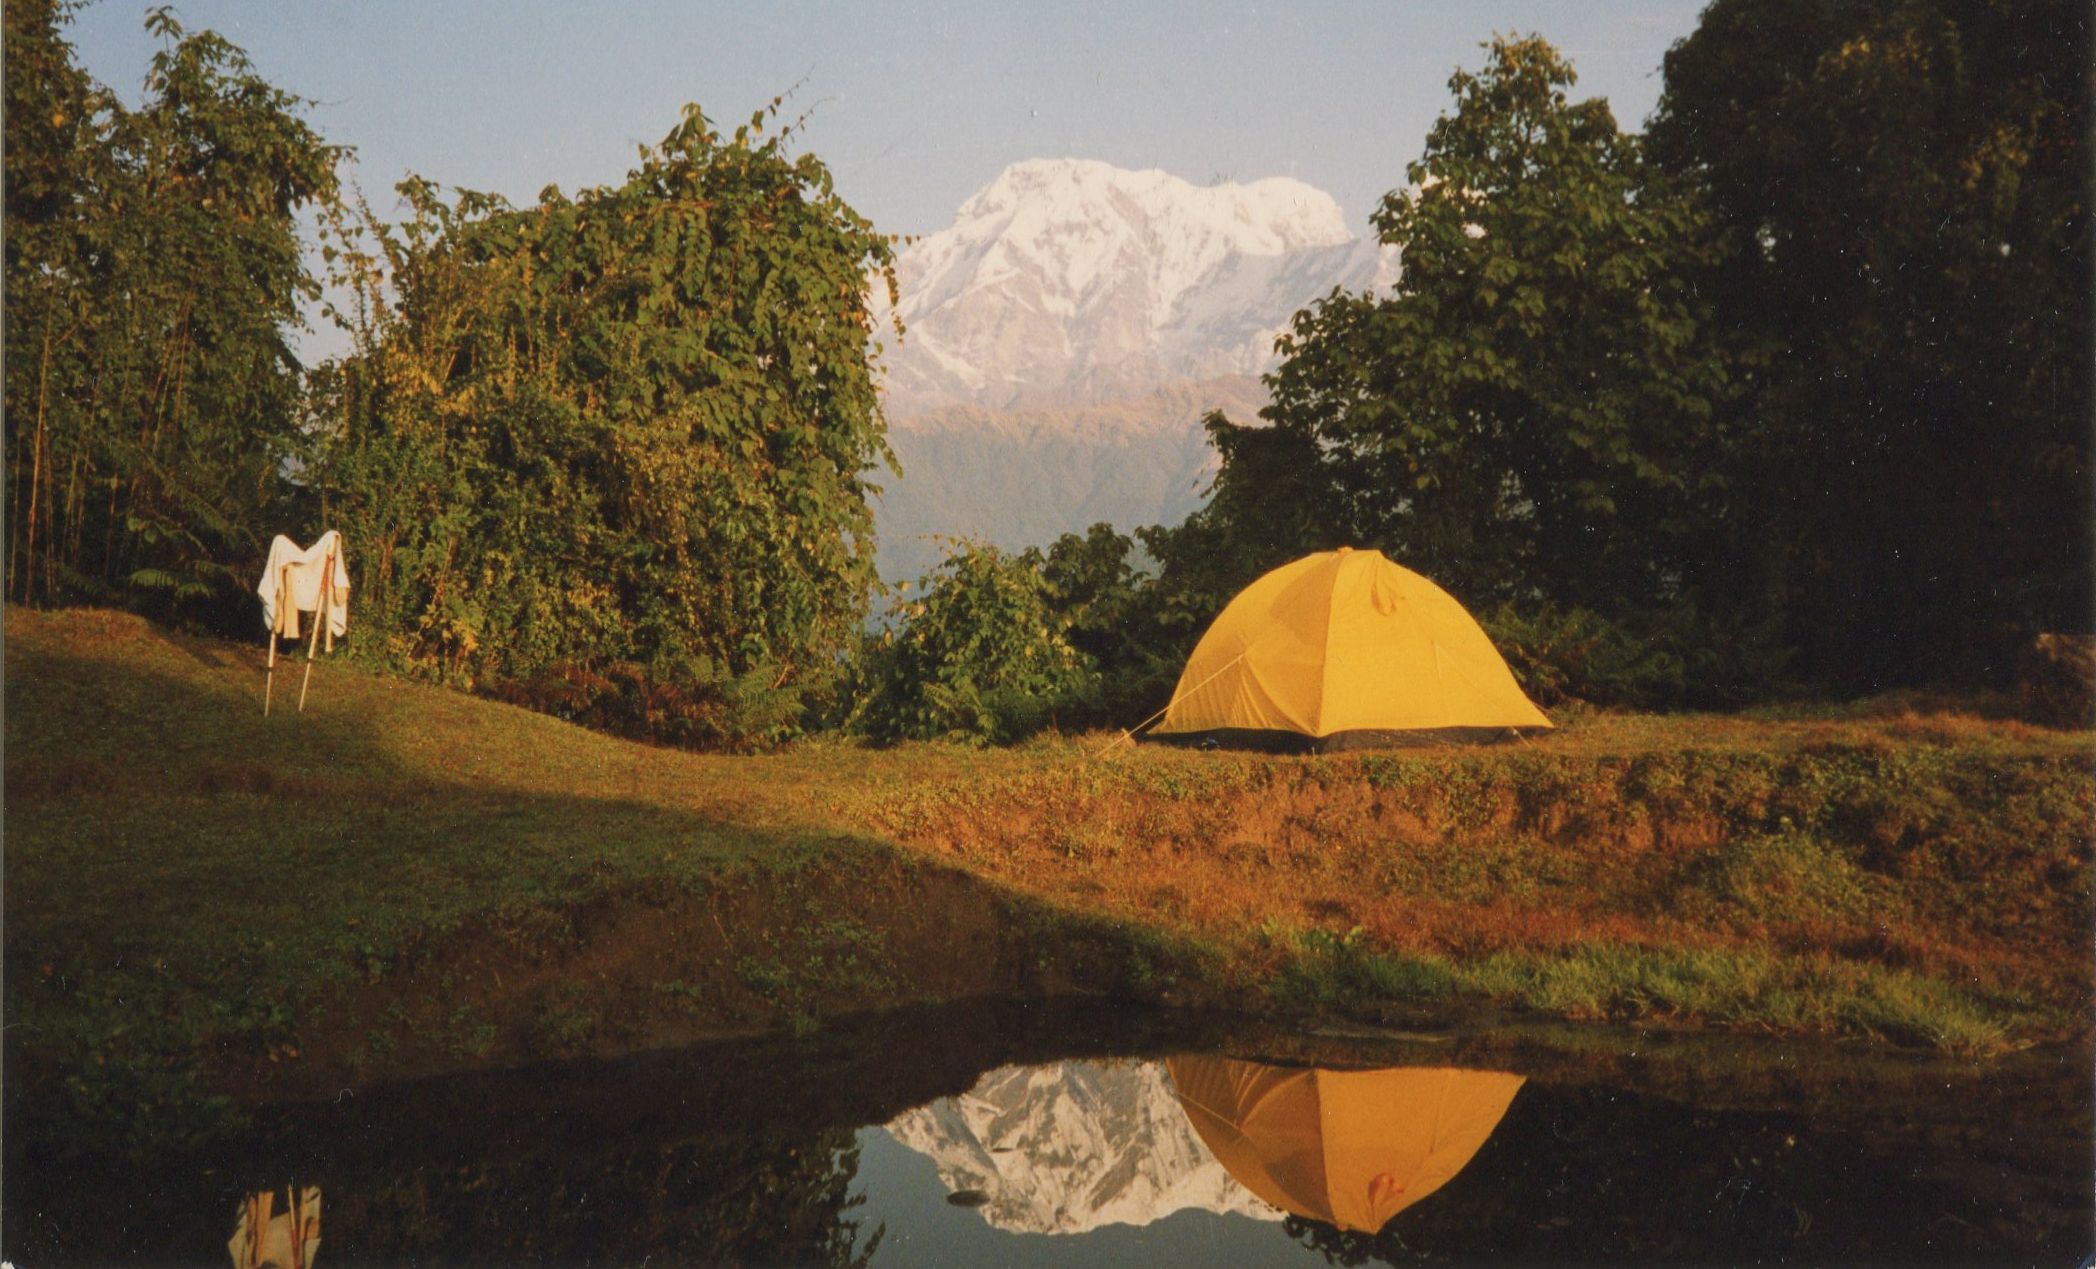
x=1922 y=879
x=178 y=865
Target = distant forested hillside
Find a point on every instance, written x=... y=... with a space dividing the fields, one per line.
x=1023 y=478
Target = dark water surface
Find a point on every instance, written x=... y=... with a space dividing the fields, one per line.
x=1007 y=1135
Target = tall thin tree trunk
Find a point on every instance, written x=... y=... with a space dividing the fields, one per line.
x=109 y=533
x=166 y=379
x=72 y=518
x=36 y=465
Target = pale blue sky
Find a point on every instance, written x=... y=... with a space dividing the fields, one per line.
x=914 y=105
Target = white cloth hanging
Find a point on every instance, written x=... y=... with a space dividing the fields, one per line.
x=297 y=574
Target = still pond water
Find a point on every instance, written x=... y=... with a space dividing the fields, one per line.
x=1002 y=1135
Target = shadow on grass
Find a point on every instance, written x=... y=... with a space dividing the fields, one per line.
x=200 y=900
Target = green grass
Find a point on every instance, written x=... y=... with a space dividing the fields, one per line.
x=1756 y=990
x=185 y=877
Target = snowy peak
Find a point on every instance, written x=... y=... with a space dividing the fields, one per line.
x=1263 y=218
x=1070 y=281
x=1067 y=333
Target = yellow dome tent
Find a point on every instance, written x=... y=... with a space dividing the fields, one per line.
x=1350 y=1148
x=1345 y=648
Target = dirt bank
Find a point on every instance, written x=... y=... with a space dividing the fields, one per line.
x=404 y=880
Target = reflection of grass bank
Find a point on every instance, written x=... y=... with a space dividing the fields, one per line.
x=405 y=879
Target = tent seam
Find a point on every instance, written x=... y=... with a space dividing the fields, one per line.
x=1324 y=668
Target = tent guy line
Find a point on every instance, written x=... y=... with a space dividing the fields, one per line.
x=1128 y=734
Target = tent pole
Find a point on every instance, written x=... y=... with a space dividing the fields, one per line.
x=320 y=613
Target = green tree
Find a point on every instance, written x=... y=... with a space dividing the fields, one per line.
x=153 y=269
x=1089 y=581
x=631 y=427
x=1275 y=498
x=1901 y=196
x=1531 y=412
x=1537 y=415
x=977 y=656
x=1094 y=596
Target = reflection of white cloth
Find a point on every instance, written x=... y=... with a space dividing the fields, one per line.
x=267 y=1239
x=299 y=572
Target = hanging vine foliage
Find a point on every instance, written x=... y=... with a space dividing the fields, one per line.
x=628 y=430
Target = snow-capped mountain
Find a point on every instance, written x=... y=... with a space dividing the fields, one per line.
x=1071 y=1146
x=1069 y=281
x=1066 y=334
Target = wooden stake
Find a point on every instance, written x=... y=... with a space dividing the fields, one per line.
x=298 y=1227
x=265 y=1205
x=320 y=615
x=269 y=681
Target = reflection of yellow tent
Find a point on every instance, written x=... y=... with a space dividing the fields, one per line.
x=1345 y=647
x=1350 y=1148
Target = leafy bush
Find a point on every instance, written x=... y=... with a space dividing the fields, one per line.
x=1110 y=612
x=631 y=425
x=976 y=657
x=1574 y=654
x=1650 y=661
x=697 y=705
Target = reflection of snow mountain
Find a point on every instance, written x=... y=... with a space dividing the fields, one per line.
x=1069 y=1147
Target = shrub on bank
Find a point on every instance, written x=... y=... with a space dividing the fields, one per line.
x=697 y=705
x=975 y=657
x=1654 y=660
